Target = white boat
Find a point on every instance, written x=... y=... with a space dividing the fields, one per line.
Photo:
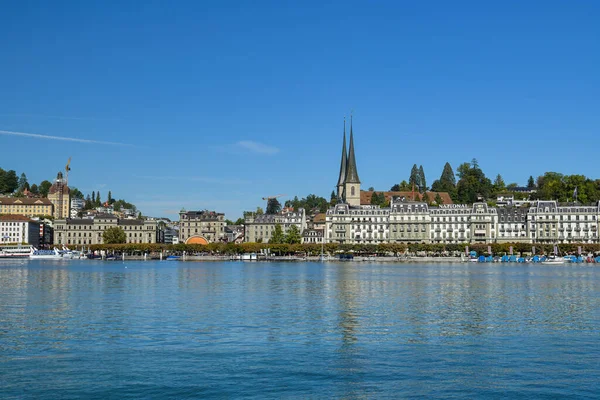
x=53 y=254
x=554 y=260
x=15 y=251
x=72 y=254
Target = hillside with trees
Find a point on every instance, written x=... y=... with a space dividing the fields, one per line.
x=13 y=184
x=470 y=184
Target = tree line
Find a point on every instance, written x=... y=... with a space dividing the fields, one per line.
x=470 y=184
x=15 y=185
x=389 y=249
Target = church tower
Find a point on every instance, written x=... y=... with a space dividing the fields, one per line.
x=342 y=178
x=352 y=182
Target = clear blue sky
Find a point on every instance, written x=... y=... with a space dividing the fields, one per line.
x=221 y=103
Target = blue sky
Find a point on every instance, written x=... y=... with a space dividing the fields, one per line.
x=217 y=104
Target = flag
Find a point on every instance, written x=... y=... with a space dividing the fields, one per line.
x=511 y=250
x=575 y=193
x=579 y=250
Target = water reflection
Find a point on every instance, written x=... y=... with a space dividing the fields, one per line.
x=341 y=327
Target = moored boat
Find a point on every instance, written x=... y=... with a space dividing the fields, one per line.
x=554 y=260
x=15 y=251
x=53 y=254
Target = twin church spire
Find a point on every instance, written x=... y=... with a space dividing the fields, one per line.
x=348 y=187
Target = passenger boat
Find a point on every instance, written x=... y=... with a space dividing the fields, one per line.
x=15 y=251
x=53 y=254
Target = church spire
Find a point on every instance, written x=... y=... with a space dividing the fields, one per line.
x=351 y=172
x=342 y=178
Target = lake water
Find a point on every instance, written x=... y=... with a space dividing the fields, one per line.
x=93 y=329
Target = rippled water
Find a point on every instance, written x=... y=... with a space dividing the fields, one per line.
x=297 y=330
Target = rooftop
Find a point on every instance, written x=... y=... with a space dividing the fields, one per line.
x=15 y=218
x=25 y=201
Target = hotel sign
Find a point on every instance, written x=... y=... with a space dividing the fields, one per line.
x=453 y=206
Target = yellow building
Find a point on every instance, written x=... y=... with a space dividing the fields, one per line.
x=29 y=207
x=60 y=196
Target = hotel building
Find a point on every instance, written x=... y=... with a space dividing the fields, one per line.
x=86 y=231
x=201 y=227
x=260 y=227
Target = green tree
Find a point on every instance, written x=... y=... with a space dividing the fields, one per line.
x=228 y=222
x=462 y=170
x=375 y=198
x=259 y=211
x=11 y=181
x=448 y=179
x=422 y=181
x=2 y=175
x=438 y=199
x=499 y=185
x=405 y=187
x=109 y=199
x=34 y=189
x=22 y=182
x=530 y=183
x=333 y=199
x=371 y=189
x=98 y=199
x=89 y=205
x=446 y=183
x=278 y=236
x=93 y=198
x=473 y=183
x=414 y=179
x=44 y=188
x=293 y=235
x=426 y=198
x=76 y=193
x=273 y=206
x=114 y=235
x=239 y=221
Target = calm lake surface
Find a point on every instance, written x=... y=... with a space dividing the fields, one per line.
x=93 y=329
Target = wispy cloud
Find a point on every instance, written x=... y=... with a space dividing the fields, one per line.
x=49 y=116
x=255 y=147
x=202 y=179
x=63 y=138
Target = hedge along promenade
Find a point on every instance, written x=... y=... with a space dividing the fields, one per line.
x=396 y=249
